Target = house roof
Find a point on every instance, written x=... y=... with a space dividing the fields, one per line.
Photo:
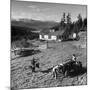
x=57 y=33
x=47 y=32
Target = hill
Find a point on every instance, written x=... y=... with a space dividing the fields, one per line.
x=35 y=24
x=23 y=28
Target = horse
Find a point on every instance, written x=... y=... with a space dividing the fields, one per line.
x=71 y=66
x=66 y=68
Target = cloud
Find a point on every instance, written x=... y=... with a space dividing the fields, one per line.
x=32 y=6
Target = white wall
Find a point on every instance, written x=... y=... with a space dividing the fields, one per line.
x=74 y=35
x=54 y=37
x=40 y=36
x=46 y=37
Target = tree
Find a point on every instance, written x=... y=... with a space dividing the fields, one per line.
x=79 y=17
x=75 y=28
x=63 y=19
x=85 y=22
x=68 y=18
x=68 y=25
x=79 y=22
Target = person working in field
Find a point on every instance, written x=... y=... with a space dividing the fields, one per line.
x=73 y=57
x=33 y=61
x=34 y=64
x=55 y=70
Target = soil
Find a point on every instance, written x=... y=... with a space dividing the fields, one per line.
x=56 y=53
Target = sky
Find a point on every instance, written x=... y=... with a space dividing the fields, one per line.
x=45 y=11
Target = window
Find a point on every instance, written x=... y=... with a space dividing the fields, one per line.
x=46 y=37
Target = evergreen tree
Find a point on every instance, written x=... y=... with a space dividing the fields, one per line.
x=85 y=22
x=68 y=18
x=79 y=22
x=63 y=19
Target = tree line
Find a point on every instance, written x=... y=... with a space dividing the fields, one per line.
x=76 y=26
x=20 y=32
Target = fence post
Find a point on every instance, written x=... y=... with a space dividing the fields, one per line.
x=47 y=44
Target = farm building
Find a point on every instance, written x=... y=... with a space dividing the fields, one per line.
x=59 y=35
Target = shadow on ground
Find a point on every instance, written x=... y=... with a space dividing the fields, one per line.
x=26 y=53
x=71 y=74
x=29 y=52
x=71 y=40
x=46 y=71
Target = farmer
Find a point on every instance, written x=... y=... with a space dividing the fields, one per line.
x=74 y=57
x=55 y=69
x=33 y=61
x=34 y=64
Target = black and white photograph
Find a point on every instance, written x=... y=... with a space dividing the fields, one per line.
x=48 y=45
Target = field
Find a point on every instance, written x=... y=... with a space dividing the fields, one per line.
x=57 y=52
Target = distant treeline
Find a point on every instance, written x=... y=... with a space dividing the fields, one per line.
x=69 y=26
x=76 y=26
x=20 y=32
x=34 y=24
